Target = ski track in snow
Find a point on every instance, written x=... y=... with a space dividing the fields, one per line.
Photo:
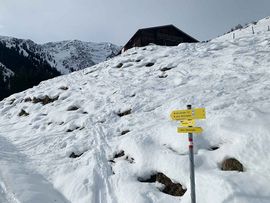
x=228 y=77
x=14 y=172
x=104 y=191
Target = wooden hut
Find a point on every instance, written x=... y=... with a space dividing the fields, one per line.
x=167 y=35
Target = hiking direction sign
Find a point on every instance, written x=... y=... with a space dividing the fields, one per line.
x=187 y=123
x=181 y=115
x=189 y=130
x=187 y=119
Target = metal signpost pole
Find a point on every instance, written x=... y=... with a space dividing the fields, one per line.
x=191 y=165
x=187 y=125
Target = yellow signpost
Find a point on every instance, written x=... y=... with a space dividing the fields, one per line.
x=180 y=115
x=190 y=130
x=187 y=122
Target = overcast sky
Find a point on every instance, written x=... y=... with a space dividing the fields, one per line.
x=117 y=20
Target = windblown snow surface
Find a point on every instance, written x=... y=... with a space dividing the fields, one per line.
x=230 y=78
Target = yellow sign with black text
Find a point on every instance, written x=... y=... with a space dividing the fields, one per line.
x=188 y=114
x=187 y=123
x=189 y=130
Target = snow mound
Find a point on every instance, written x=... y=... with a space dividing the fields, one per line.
x=114 y=120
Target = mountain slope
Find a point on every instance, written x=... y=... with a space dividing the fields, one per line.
x=23 y=66
x=96 y=135
x=31 y=63
x=69 y=56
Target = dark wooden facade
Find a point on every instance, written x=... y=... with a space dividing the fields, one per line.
x=167 y=35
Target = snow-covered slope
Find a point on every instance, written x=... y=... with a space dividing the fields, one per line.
x=95 y=134
x=247 y=32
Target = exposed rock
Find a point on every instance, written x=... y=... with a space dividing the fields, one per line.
x=45 y=100
x=149 y=64
x=91 y=71
x=170 y=188
x=232 y=164
x=63 y=88
x=163 y=76
x=71 y=130
x=165 y=69
x=213 y=148
x=119 y=65
x=124 y=113
x=23 y=113
x=72 y=108
x=125 y=132
x=12 y=101
x=119 y=154
x=129 y=159
x=28 y=99
x=122 y=154
x=73 y=155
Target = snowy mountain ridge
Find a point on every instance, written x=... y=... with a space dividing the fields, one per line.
x=72 y=55
x=25 y=47
x=103 y=133
x=31 y=63
x=65 y=56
